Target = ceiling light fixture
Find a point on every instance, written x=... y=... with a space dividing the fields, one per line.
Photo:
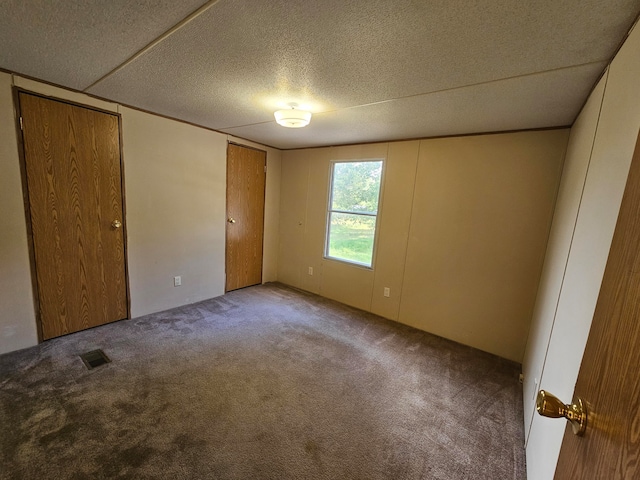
x=292 y=117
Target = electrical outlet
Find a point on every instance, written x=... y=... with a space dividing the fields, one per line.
x=177 y=281
x=387 y=292
x=310 y=270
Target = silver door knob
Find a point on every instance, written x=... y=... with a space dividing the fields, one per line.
x=231 y=220
x=116 y=224
x=549 y=405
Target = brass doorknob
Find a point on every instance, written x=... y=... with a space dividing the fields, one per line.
x=116 y=224
x=231 y=220
x=549 y=405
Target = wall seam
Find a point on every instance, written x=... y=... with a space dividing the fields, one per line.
x=381 y=196
x=406 y=247
x=544 y=362
x=305 y=233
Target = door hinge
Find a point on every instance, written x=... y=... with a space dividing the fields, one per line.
x=265 y=169
x=21 y=128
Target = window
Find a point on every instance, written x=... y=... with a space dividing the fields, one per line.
x=353 y=210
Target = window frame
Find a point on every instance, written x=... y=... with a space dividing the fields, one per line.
x=329 y=211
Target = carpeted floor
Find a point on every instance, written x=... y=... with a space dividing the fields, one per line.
x=262 y=383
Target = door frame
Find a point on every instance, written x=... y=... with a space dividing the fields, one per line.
x=226 y=205
x=25 y=197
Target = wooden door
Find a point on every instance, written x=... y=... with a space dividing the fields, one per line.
x=246 y=176
x=609 y=378
x=73 y=178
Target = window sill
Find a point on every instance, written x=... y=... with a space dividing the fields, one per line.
x=349 y=262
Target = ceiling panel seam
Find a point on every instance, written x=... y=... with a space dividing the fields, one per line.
x=155 y=41
x=470 y=85
x=434 y=92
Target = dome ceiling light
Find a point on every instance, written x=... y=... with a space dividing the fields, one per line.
x=292 y=117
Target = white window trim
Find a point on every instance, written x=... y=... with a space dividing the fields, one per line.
x=327 y=229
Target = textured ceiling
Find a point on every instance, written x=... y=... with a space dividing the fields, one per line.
x=74 y=43
x=368 y=69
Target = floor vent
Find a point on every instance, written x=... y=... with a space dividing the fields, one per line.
x=94 y=359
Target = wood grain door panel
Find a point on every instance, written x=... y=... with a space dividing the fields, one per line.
x=72 y=164
x=609 y=378
x=245 y=213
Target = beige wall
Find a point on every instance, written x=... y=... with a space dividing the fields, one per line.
x=481 y=216
x=462 y=231
x=618 y=123
x=175 y=177
x=17 y=318
x=175 y=181
x=562 y=230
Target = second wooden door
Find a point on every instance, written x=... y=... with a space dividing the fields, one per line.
x=72 y=165
x=246 y=176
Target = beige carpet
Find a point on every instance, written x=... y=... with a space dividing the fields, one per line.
x=262 y=383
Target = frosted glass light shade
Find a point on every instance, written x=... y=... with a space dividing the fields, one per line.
x=293 y=118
